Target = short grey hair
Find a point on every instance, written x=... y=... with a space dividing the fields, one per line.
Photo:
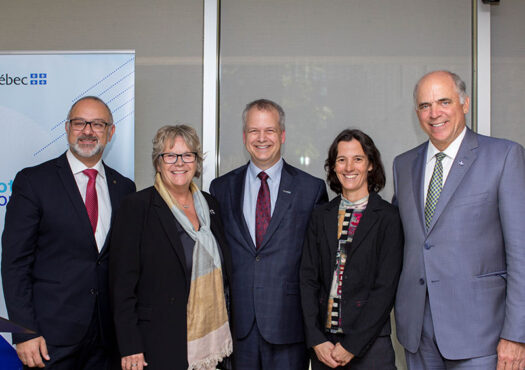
x=95 y=98
x=166 y=135
x=267 y=105
x=461 y=86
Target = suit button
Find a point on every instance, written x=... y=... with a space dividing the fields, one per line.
x=93 y=291
x=421 y=281
x=172 y=300
x=98 y=263
x=258 y=258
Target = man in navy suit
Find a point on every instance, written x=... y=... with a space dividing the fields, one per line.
x=461 y=298
x=54 y=248
x=266 y=252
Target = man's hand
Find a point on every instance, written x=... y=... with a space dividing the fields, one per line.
x=511 y=355
x=134 y=362
x=341 y=355
x=31 y=352
x=323 y=352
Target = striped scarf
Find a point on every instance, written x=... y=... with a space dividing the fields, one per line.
x=208 y=329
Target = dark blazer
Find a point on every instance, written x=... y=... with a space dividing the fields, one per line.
x=148 y=279
x=53 y=275
x=265 y=283
x=370 y=278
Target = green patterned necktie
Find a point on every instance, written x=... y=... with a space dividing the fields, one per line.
x=434 y=188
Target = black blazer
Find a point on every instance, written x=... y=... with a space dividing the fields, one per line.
x=148 y=279
x=370 y=279
x=53 y=275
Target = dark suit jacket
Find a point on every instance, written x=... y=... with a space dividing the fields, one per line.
x=265 y=282
x=148 y=279
x=370 y=278
x=53 y=275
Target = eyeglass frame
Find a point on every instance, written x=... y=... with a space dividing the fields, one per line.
x=90 y=123
x=177 y=157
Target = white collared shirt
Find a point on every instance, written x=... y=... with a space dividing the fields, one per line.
x=104 y=202
x=252 y=185
x=451 y=151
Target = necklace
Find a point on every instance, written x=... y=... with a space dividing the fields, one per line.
x=181 y=204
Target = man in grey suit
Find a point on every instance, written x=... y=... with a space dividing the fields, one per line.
x=461 y=298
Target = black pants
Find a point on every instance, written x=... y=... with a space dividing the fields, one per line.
x=380 y=356
x=88 y=354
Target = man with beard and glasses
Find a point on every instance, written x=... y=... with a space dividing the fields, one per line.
x=54 y=248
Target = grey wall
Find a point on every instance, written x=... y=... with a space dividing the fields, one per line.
x=166 y=35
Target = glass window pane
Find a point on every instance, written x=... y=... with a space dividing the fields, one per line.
x=333 y=65
x=508 y=70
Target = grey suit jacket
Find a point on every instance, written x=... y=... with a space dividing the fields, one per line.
x=471 y=260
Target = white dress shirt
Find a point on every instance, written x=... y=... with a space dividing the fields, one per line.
x=252 y=185
x=104 y=202
x=451 y=151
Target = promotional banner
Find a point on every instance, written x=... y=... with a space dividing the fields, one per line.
x=36 y=91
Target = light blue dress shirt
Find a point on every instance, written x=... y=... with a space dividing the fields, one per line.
x=251 y=189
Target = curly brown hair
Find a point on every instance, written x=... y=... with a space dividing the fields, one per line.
x=376 y=177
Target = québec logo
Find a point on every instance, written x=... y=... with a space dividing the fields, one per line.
x=31 y=79
x=38 y=78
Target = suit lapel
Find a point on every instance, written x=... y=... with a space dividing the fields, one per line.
x=284 y=199
x=237 y=198
x=218 y=232
x=71 y=187
x=418 y=182
x=462 y=163
x=115 y=197
x=330 y=223
x=114 y=194
x=167 y=222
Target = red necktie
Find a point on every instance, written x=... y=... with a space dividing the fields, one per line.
x=91 y=197
x=262 y=210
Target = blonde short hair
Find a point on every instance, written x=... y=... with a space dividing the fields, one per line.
x=166 y=136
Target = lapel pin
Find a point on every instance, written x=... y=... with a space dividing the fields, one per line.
x=287 y=191
x=461 y=163
x=212 y=212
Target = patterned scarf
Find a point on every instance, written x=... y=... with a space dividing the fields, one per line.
x=349 y=215
x=209 y=337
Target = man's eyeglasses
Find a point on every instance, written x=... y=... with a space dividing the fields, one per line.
x=97 y=125
x=170 y=158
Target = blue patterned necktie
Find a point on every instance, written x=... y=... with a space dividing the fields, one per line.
x=434 y=188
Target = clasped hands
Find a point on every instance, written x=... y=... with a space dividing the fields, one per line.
x=332 y=355
x=134 y=362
